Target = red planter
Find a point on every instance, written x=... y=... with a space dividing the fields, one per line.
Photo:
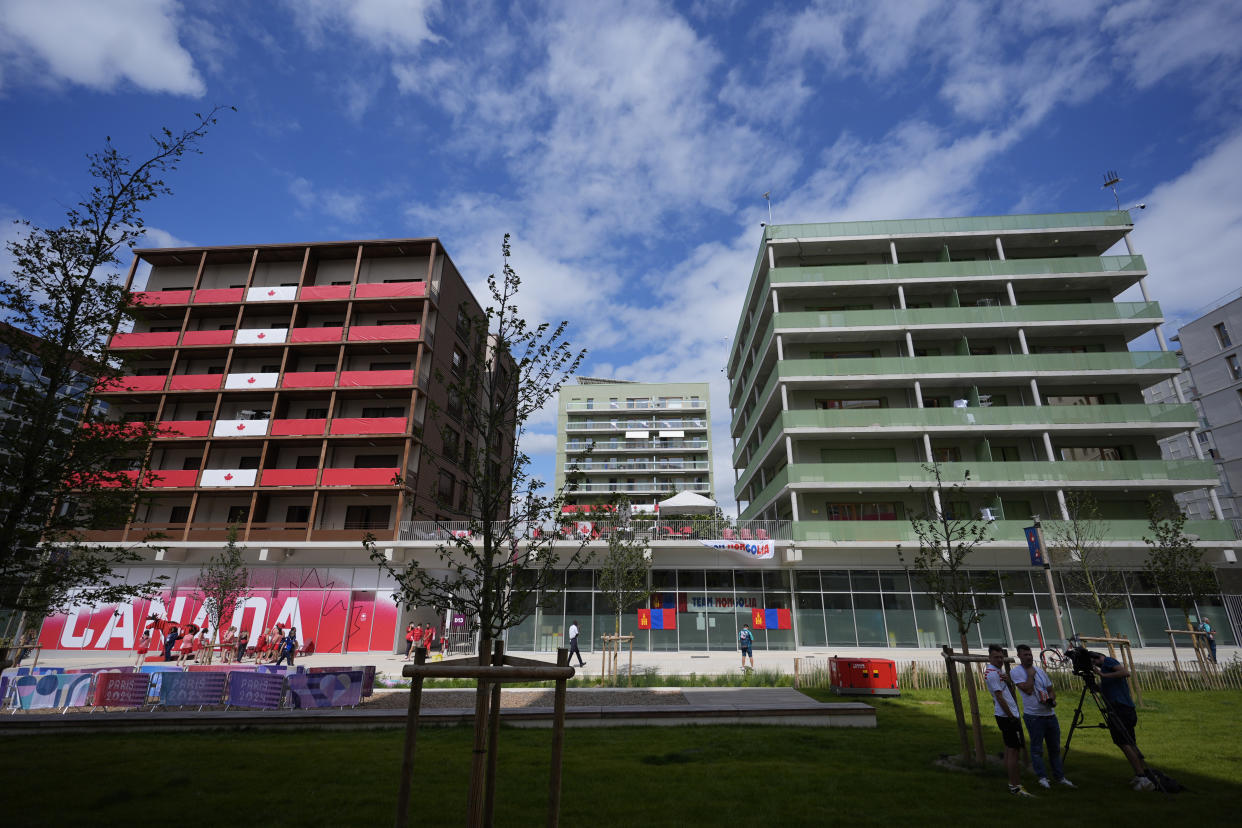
x=164 y=339
x=207 y=337
x=195 y=382
x=322 y=292
x=309 y=379
x=381 y=333
x=295 y=428
x=368 y=425
x=288 y=477
x=358 y=477
x=218 y=295
x=378 y=291
x=315 y=334
x=375 y=378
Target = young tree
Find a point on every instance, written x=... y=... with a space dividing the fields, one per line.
x=624 y=572
x=493 y=573
x=223 y=581
x=946 y=541
x=1174 y=562
x=66 y=468
x=1077 y=547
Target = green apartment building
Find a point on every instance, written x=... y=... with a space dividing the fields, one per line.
x=992 y=346
x=651 y=440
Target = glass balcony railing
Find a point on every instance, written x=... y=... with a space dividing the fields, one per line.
x=679 y=486
x=1080 y=365
x=635 y=445
x=1070 y=314
x=1002 y=530
x=1181 y=474
x=639 y=465
x=1161 y=418
x=1119 y=219
x=662 y=405
x=631 y=425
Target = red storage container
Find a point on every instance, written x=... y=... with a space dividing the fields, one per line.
x=863 y=676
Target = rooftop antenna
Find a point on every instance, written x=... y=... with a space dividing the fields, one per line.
x=1111 y=180
x=768 y=198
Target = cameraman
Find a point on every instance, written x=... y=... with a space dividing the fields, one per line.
x=1007 y=720
x=1122 y=717
x=1038 y=699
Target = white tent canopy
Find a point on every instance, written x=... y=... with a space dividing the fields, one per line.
x=684 y=503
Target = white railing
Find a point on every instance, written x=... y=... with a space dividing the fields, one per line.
x=635 y=406
x=581 y=527
x=625 y=425
x=669 y=486
x=638 y=465
x=637 y=445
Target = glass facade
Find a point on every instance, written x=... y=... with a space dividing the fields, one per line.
x=845 y=608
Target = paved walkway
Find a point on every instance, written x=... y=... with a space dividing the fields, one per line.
x=666 y=663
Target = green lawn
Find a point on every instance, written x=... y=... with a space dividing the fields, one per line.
x=749 y=775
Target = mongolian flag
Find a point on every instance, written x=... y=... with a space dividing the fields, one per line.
x=770 y=619
x=657 y=619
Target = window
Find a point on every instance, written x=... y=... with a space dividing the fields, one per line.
x=297 y=514
x=316 y=414
x=848 y=404
x=390 y=366
x=367 y=517
x=453 y=404
x=307 y=461
x=842 y=354
x=948 y=454
x=451 y=440
x=324 y=367
x=1083 y=399
x=216 y=369
x=1234 y=368
x=861 y=511
x=238 y=514
x=248 y=463
x=1006 y=453
x=190 y=464
x=1097 y=453
x=459 y=362
x=444 y=487
x=463 y=323
x=1222 y=335
x=202 y=415
x=272 y=368
x=384 y=411
x=179 y=514
x=375 y=461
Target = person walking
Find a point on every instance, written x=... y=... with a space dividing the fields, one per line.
x=288 y=647
x=1007 y=717
x=746 y=643
x=573 y=644
x=242 y=640
x=409 y=641
x=140 y=649
x=170 y=639
x=1039 y=700
x=1205 y=625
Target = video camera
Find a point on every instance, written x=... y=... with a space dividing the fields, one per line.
x=1083 y=666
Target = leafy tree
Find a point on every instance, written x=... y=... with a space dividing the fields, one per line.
x=624 y=573
x=61 y=303
x=1174 y=562
x=223 y=581
x=1077 y=547
x=946 y=541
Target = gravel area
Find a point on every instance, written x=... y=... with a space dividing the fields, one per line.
x=518 y=698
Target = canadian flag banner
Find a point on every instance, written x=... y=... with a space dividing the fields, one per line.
x=260 y=336
x=228 y=477
x=240 y=428
x=240 y=382
x=272 y=294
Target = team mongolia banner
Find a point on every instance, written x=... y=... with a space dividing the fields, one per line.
x=761 y=549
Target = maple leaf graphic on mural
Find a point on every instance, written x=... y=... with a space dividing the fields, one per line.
x=228 y=476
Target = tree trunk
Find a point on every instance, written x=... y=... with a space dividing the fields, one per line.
x=474 y=807
x=976 y=725
x=1112 y=653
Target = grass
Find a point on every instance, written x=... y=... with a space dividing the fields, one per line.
x=643 y=677
x=741 y=775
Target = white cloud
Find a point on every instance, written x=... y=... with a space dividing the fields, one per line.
x=98 y=45
x=396 y=26
x=1191 y=232
x=346 y=207
x=1155 y=40
x=156 y=237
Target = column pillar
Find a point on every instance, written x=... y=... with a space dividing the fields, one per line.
x=1013 y=300
x=789 y=450
x=1035 y=393
x=901 y=297
x=793 y=502
x=918 y=394
x=1000 y=249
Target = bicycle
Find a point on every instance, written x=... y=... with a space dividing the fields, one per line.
x=1054 y=659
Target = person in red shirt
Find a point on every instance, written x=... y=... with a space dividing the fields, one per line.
x=429 y=636
x=418 y=637
x=409 y=641
x=140 y=649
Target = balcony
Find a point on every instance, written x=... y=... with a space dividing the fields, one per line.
x=1180 y=475
x=637 y=445
x=390 y=290
x=360 y=477
x=173 y=429
x=1161 y=420
x=368 y=425
x=639 y=465
x=148 y=298
x=382 y=333
x=959 y=370
x=226 y=478
x=261 y=336
x=309 y=379
x=173 y=478
x=272 y=293
x=122 y=385
x=161 y=339
x=604 y=488
x=316 y=334
x=191 y=338
x=365 y=379
x=248 y=381
x=218 y=296
x=1000 y=530
x=690 y=405
x=639 y=425
x=288 y=477
x=1109 y=219
x=195 y=382
x=298 y=428
x=319 y=293
x=240 y=428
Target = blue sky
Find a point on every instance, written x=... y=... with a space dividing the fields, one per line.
x=626 y=145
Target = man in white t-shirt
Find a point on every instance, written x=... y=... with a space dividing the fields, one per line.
x=573 y=644
x=1038 y=702
x=1007 y=715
